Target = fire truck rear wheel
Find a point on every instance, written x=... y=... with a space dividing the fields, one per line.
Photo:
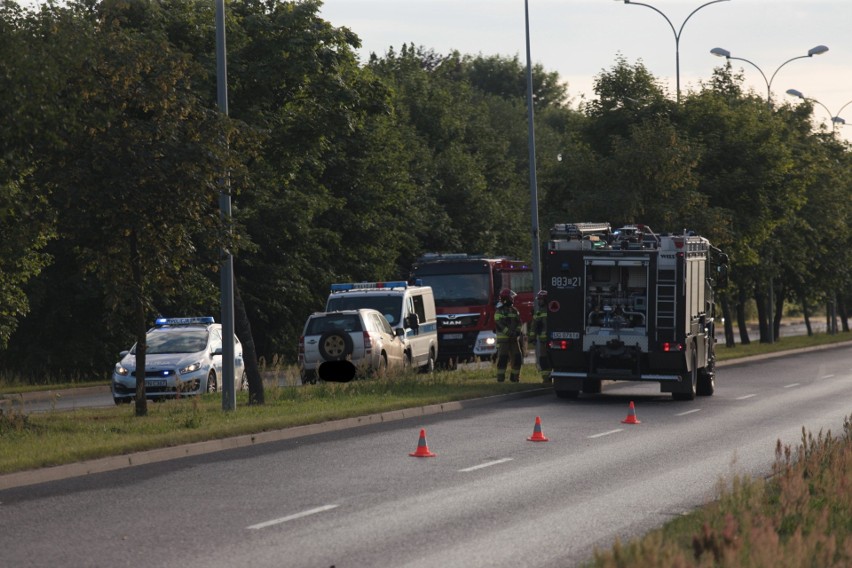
x=690 y=378
x=707 y=378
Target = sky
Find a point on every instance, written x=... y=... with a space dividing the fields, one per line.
x=579 y=39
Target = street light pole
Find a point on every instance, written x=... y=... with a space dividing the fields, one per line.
x=227 y=277
x=835 y=118
x=720 y=52
x=676 y=33
x=536 y=261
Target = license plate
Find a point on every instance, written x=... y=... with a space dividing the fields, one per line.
x=155 y=382
x=453 y=336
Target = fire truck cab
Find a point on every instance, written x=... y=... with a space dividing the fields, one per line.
x=466 y=289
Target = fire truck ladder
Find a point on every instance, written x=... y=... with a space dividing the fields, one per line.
x=666 y=304
x=578 y=231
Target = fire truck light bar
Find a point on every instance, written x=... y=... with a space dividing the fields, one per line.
x=343 y=287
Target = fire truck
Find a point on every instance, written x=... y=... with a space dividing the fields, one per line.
x=631 y=305
x=466 y=289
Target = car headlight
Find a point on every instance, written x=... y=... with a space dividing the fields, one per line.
x=490 y=341
x=119 y=370
x=190 y=368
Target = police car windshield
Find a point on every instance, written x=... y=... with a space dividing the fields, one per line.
x=458 y=289
x=389 y=306
x=175 y=341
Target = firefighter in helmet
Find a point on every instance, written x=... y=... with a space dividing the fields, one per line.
x=540 y=332
x=507 y=327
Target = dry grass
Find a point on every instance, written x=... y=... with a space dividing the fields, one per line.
x=800 y=517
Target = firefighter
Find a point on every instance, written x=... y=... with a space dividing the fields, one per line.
x=507 y=324
x=540 y=331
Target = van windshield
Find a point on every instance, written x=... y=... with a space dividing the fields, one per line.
x=388 y=306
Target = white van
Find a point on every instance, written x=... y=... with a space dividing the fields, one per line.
x=407 y=307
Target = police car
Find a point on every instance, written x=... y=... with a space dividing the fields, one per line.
x=183 y=356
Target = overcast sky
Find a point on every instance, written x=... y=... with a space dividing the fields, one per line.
x=580 y=38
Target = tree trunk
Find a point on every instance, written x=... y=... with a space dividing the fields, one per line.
x=806 y=312
x=741 y=321
x=844 y=313
x=763 y=325
x=762 y=316
x=255 y=382
x=779 y=311
x=729 y=322
x=139 y=325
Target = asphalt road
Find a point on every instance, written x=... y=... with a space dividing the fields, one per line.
x=489 y=498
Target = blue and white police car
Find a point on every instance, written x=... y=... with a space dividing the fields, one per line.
x=183 y=357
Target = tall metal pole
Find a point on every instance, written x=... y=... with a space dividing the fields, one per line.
x=536 y=259
x=677 y=33
x=229 y=399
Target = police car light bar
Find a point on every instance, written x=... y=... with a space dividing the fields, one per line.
x=184 y=321
x=368 y=286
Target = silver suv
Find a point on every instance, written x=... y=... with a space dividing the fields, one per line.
x=337 y=346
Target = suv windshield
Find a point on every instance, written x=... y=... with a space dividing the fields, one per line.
x=176 y=341
x=333 y=322
x=388 y=306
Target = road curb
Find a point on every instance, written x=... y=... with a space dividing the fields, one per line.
x=788 y=352
x=56 y=473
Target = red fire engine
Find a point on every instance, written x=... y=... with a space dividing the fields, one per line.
x=466 y=289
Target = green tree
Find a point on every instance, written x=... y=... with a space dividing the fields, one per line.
x=138 y=175
x=747 y=173
x=26 y=219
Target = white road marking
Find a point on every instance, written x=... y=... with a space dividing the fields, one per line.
x=689 y=412
x=827 y=377
x=745 y=396
x=602 y=434
x=486 y=464
x=791 y=385
x=292 y=517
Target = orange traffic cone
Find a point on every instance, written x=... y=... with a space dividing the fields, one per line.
x=422 y=448
x=537 y=435
x=631 y=416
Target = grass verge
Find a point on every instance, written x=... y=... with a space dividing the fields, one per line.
x=30 y=440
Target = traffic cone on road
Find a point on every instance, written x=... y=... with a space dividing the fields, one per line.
x=422 y=449
x=537 y=434
x=631 y=416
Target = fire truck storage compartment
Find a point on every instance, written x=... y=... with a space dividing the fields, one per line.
x=616 y=296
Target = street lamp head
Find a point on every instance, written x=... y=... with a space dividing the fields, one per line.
x=719 y=52
x=795 y=93
x=818 y=50
x=837 y=120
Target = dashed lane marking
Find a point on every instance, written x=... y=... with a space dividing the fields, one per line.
x=689 y=412
x=486 y=464
x=293 y=517
x=602 y=434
